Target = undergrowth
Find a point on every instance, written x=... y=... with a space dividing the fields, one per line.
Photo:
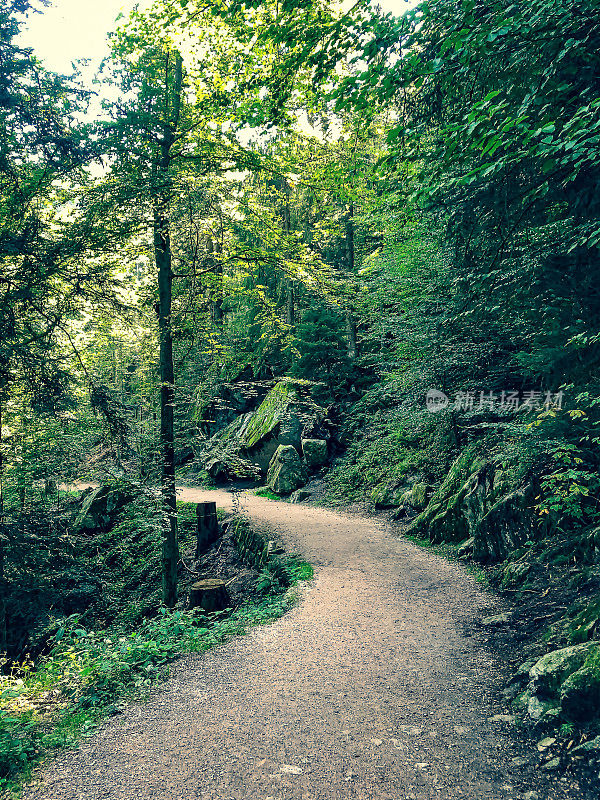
x=91 y=673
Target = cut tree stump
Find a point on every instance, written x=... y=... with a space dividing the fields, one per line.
x=207 y=526
x=209 y=595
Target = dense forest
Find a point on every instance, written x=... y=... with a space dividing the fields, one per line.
x=333 y=254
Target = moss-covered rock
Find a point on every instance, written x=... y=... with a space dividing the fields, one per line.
x=580 y=692
x=315 y=453
x=445 y=519
x=286 y=471
x=505 y=527
x=100 y=508
x=246 y=446
x=474 y=502
x=548 y=673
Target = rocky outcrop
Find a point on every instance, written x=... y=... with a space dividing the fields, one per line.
x=229 y=401
x=506 y=526
x=475 y=504
x=245 y=447
x=460 y=499
x=286 y=471
x=100 y=508
x=299 y=496
x=315 y=453
x=564 y=683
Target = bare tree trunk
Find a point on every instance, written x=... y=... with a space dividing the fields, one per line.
x=170 y=548
x=216 y=305
x=163 y=256
x=290 y=310
x=3 y=636
x=351 y=338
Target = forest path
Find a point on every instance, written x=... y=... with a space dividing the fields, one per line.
x=370 y=688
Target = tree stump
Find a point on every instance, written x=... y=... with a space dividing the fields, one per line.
x=207 y=526
x=209 y=595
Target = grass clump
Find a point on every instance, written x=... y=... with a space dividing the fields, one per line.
x=266 y=492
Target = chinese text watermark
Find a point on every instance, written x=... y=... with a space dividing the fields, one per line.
x=493 y=401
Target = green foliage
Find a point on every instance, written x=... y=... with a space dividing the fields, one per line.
x=267 y=493
x=323 y=349
x=90 y=673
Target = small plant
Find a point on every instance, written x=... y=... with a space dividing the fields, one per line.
x=266 y=492
x=298 y=569
x=268 y=582
x=567 y=729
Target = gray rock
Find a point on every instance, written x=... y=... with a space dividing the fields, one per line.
x=286 y=472
x=315 y=453
x=497 y=619
x=537 y=708
x=591 y=748
x=546 y=742
x=549 y=672
x=531 y=796
x=552 y=765
x=299 y=496
x=100 y=508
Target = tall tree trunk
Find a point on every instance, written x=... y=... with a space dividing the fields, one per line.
x=290 y=304
x=351 y=339
x=163 y=256
x=3 y=538
x=216 y=305
x=170 y=548
x=290 y=309
x=352 y=343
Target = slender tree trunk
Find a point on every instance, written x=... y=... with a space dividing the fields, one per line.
x=3 y=636
x=216 y=305
x=170 y=548
x=163 y=255
x=351 y=337
x=290 y=304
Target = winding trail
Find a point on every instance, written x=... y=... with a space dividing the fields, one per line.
x=371 y=688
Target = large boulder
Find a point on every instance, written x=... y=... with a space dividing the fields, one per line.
x=227 y=401
x=475 y=502
x=315 y=453
x=444 y=519
x=580 y=693
x=250 y=441
x=100 y=508
x=565 y=683
x=286 y=472
x=547 y=675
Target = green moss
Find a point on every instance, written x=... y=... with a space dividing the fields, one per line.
x=268 y=415
x=586 y=622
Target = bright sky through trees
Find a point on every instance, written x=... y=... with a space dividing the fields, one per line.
x=75 y=29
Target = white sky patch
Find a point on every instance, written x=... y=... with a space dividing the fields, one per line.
x=70 y=30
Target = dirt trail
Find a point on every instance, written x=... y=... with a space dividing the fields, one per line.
x=370 y=688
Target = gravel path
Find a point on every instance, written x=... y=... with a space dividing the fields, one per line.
x=369 y=689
